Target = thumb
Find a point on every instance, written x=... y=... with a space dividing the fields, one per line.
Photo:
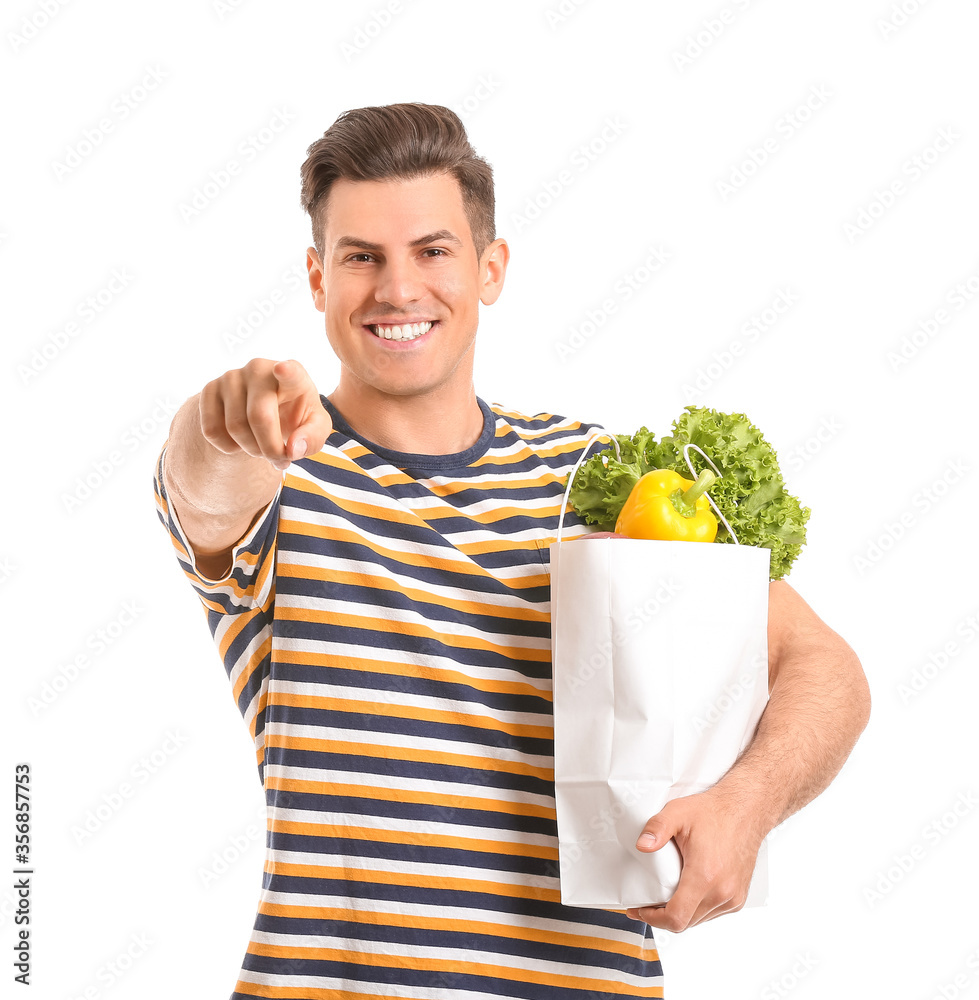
x=659 y=830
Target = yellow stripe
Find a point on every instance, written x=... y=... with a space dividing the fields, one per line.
x=417 y=714
x=376 y=581
x=511 y=848
x=460 y=567
x=403 y=795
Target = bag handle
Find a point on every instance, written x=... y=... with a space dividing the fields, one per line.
x=574 y=471
x=717 y=472
x=618 y=455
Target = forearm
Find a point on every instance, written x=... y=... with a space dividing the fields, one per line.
x=819 y=703
x=818 y=706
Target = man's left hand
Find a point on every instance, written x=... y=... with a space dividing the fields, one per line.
x=718 y=847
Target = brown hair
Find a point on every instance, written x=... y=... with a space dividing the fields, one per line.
x=399 y=140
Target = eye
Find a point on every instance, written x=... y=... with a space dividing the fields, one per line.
x=438 y=250
x=355 y=256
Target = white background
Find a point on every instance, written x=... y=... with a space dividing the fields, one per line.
x=883 y=453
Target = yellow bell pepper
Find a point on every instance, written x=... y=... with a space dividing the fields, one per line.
x=666 y=506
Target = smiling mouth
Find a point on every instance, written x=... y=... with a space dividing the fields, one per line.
x=410 y=331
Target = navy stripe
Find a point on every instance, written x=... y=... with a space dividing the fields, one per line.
x=298 y=586
x=295 y=715
x=414 y=854
x=414 y=770
x=426 y=979
x=464 y=939
x=421 y=686
x=416 y=645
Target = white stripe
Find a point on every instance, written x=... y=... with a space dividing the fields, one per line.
x=338 y=822
x=489 y=880
x=408 y=741
x=325 y=653
x=473 y=963
x=461 y=913
x=337 y=695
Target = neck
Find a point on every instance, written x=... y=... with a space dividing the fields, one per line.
x=429 y=424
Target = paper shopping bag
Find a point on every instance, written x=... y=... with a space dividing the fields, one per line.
x=660 y=669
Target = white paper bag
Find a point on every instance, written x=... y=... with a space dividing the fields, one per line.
x=660 y=665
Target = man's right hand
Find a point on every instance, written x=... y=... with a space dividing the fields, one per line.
x=268 y=409
x=228 y=447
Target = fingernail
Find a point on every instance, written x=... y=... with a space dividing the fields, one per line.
x=298 y=449
x=647 y=840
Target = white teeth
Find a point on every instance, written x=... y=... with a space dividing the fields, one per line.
x=407 y=332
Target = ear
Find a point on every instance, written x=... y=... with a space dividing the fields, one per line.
x=315 y=268
x=492 y=271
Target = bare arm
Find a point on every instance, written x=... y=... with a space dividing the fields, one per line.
x=228 y=447
x=819 y=704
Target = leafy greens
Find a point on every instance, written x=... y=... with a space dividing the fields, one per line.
x=750 y=493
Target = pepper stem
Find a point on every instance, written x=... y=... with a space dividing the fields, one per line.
x=685 y=502
x=695 y=492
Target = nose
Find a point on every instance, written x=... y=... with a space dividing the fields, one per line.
x=398 y=283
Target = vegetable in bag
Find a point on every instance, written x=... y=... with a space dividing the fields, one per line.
x=750 y=492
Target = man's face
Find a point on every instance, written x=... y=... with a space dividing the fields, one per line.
x=399 y=262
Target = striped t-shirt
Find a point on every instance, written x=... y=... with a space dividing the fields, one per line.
x=386 y=630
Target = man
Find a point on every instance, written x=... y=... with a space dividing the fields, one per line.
x=374 y=568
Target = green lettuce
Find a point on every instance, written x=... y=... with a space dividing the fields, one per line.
x=750 y=493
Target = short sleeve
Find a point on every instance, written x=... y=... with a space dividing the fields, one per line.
x=248 y=585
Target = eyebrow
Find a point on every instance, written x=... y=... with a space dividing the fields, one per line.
x=439 y=236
